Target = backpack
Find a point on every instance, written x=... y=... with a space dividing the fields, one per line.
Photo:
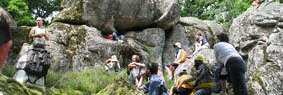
x=38 y=63
x=161 y=90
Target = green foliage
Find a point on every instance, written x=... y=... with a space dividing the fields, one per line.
x=20 y=12
x=85 y=82
x=43 y=8
x=3 y=3
x=223 y=11
x=9 y=70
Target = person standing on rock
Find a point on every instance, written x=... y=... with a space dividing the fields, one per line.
x=33 y=65
x=137 y=71
x=5 y=37
x=180 y=58
x=234 y=64
x=39 y=34
x=203 y=81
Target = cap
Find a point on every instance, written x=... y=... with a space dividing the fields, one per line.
x=178 y=44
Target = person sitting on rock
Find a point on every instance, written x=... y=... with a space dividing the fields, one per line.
x=39 y=34
x=234 y=64
x=180 y=57
x=203 y=81
x=156 y=83
x=200 y=43
x=112 y=63
x=137 y=71
x=5 y=37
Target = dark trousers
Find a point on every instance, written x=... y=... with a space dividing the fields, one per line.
x=236 y=69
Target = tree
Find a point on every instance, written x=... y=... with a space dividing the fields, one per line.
x=223 y=11
x=43 y=8
x=20 y=12
x=3 y=3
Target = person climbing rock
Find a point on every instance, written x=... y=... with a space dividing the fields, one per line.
x=112 y=64
x=137 y=71
x=156 y=84
x=234 y=64
x=180 y=57
x=5 y=37
x=200 y=43
x=183 y=84
x=203 y=81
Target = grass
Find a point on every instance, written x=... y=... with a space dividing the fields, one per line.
x=9 y=70
x=86 y=82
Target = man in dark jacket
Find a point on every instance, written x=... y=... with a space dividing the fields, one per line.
x=203 y=82
x=234 y=65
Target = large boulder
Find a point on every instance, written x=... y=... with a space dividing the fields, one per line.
x=257 y=34
x=178 y=34
x=121 y=14
x=78 y=46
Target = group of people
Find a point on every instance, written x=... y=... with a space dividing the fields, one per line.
x=230 y=67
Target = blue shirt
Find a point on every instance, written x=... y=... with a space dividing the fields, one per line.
x=155 y=83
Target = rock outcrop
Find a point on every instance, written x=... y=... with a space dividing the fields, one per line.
x=80 y=46
x=209 y=28
x=120 y=14
x=257 y=34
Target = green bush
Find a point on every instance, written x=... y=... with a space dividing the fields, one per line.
x=223 y=11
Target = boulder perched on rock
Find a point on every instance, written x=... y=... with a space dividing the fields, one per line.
x=257 y=34
x=80 y=46
x=120 y=14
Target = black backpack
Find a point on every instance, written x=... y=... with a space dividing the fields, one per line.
x=38 y=63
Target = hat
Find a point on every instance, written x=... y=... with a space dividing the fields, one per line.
x=114 y=58
x=178 y=44
x=200 y=58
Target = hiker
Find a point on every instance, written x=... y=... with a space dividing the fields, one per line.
x=39 y=34
x=203 y=80
x=112 y=63
x=183 y=84
x=181 y=57
x=5 y=37
x=156 y=84
x=200 y=43
x=234 y=65
x=137 y=71
x=32 y=67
